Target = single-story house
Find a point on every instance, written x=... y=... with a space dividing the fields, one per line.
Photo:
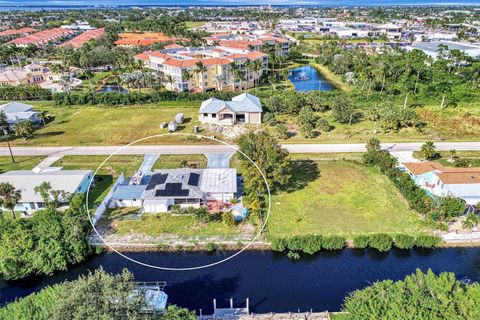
x=183 y=187
x=244 y=108
x=463 y=183
x=18 y=112
x=71 y=181
x=127 y=195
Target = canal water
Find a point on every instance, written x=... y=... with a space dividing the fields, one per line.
x=306 y=78
x=271 y=281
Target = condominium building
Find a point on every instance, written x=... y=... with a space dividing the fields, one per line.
x=253 y=42
x=42 y=38
x=206 y=68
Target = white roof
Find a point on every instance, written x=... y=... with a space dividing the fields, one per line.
x=244 y=102
x=219 y=181
x=26 y=181
x=469 y=192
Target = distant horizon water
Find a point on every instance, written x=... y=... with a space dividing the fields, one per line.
x=26 y=4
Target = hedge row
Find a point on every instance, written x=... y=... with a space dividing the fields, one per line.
x=312 y=244
x=24 y=93
x=384 y=242
x=308 y=243
x=115 y=98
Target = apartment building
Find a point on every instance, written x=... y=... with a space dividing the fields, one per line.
x=252 y=42
x=211 y=68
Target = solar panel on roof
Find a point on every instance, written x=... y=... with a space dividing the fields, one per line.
x=150 y=186
x=159 y=178
x=193 y=179
x=173 y=186
x=172 y=193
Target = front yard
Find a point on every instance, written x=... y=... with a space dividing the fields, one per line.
x=339 y=197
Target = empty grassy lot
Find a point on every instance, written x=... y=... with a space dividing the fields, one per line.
x=338 y=197
x=21 y=163
x=111 y=126
x=452 y=124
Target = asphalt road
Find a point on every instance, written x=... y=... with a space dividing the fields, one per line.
x=195 y=149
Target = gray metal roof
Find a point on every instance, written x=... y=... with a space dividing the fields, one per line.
x=15 y=106
x=128 y=192
x=244 y=102
x=27 y=180
x=207 y=181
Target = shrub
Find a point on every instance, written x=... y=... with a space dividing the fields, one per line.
x=380 y=241
x=293 y=255
x=404 y=241
x=360 y=242
x=210 y=247
x=333 y=242
x=228 y=219
x=279 y=244
x=24 y=93
x=428 y=241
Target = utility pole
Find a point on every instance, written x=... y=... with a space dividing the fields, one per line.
x=9 y=147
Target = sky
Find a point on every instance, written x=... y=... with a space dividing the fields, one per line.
x=237 y=2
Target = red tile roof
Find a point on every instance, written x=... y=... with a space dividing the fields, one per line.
x=174 y=46
x=42 y=37
x=422 y=167
x=11 y=32
x=79 y=40
x=142 y=56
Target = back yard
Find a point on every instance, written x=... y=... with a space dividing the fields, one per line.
x=339 y=197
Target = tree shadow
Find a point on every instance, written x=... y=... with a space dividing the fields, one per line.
x=302 y=173
x=48 y=134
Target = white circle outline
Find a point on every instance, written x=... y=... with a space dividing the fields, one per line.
x=187 y=268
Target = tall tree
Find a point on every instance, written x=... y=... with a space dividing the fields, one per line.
x=9 y=196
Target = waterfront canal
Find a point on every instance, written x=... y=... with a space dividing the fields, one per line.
x=271 y=281
x=306 y=78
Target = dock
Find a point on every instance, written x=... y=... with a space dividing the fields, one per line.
x=233 y=313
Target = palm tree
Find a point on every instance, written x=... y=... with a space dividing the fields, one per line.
x=248 y=67
x=428 y=150
x=170 y=79
x=200 y=69
x=471 y=221
x=257 y=67
x=44 y=116
x=233 y=69
x=241 y=77
x=9 y=197
x=219 y=82
x=187 y=76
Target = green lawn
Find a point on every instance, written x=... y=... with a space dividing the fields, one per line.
x=163 y=223
x=446 y=157
x=21 y=163
x=106 y=175
x=194 y=24
x=338 y=197
x=173 y=161
x=111 y=126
